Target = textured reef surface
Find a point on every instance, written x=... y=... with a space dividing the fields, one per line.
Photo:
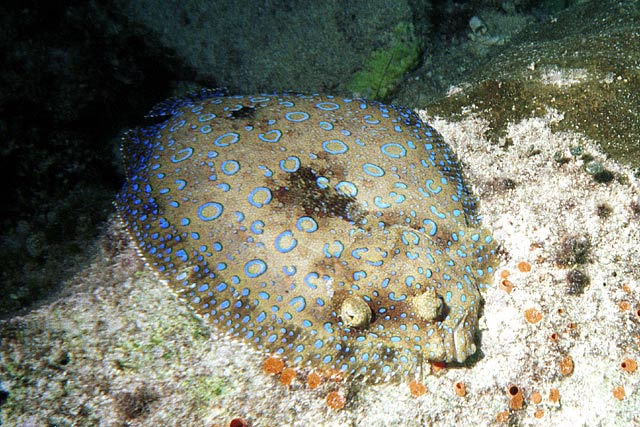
x=335 y=233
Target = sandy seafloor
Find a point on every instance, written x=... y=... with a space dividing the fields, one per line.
x=121 y=339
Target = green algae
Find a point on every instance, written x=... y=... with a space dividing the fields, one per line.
x=589 y=73
x=387 y=66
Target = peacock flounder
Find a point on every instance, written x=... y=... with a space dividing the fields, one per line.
x=335 y=233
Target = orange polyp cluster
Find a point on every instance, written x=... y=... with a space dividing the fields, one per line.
x=460 y=389
x=502 y=417
x=238 y=422
x=288 y=376
x=335 y=400
x=515 y=397
x=273 y=365
x=314 y=379
x=437 y=367
x=505 y=284
x=566 y=365
x=539 y=413
x=536 y=397
x=524 y=266
x=417 y=388
x=624 y=306
x=532 y=315
x=619 y=393
x=629 y=365
x=554 y=395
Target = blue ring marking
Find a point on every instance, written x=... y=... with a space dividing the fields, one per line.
x=255 y=192
x=322 y=182
x=379 y=203
x=177 y=126
x=347 y=188
x=318 y=344
x=327 y=106
x=394 y=150
x=373 y=170
x=335 y=146
x=185 y=153
x=392 y=297
x=433 y=225
x=205 y=129
x=299 y=303
x=370 y=120
x=206 y=117
x=273 y=135
x=288 y=235
x=206 y=206
x=356 y=252
x=285 y=164
x=230 y=167
x=359 y=275
x=337 y=253
x=289 y=270
x=325 y=125
x=308 y=277
x=261 y=317
x=256 y=227
x=297 y=116
x=226 y=139
x=185 y=221
x=436 y=213
x=410 y=237
x=255 y=268
x=307 y=224
x=436 y=190
x=260 y=99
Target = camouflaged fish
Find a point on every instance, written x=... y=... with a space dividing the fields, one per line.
x=335 y=233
